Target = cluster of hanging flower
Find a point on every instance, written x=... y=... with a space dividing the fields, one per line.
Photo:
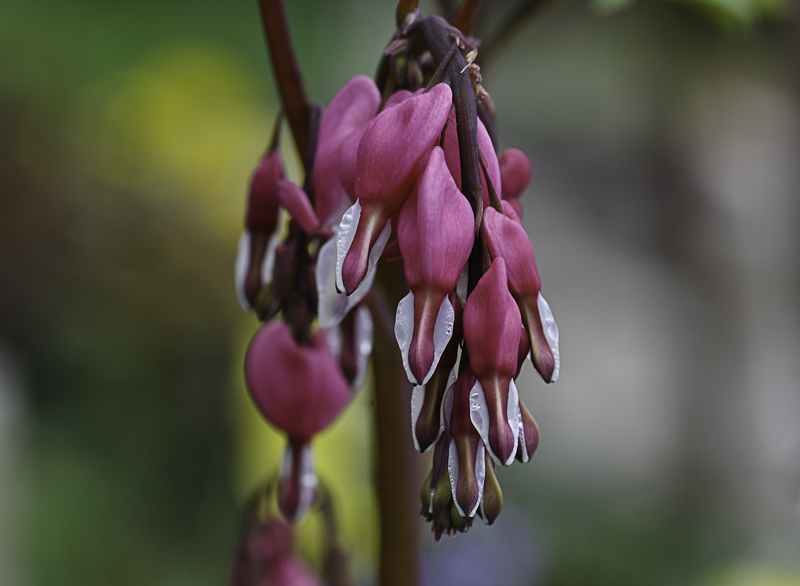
x=386 y=182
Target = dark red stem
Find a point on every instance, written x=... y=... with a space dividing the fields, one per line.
x=287 y=71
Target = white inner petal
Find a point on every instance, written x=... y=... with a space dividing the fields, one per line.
x=452 y=470
x=268 y=264
x=332 y=305
x=514 y=417
x=480 y=475
x=240 y=270
x=550 y=332
x=479 y=414
x=306 y=476
x=442 y=332
x=404 y=331
x=417 y=399
x=523 y=446
x=308 y=481
x=333 y=337
x=363 y=345
x=344 y=239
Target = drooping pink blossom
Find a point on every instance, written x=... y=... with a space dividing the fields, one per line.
x=299 y=389
x=391 y=155
x=254 y=258
x=348 y=152
x=435 y=233
x=491 y=332
x=466 y=463
x=507 y=239
x=426 y=400
x=349 y=112
x=453 y=156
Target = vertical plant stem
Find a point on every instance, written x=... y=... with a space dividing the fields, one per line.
x=466 y=15
x=287 y=71
x=398 y=484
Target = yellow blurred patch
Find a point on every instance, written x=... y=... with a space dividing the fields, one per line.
x=752 y=575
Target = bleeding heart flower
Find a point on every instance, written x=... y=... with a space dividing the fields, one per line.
x=435 y=232
x=466 y=464
x=491 y=332
x=507 y=239
x=391 y=155
x=257 y=246
x=299 y=389
x=347 y=116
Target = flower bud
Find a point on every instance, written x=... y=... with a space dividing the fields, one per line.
x=347 y=116
x=492 y=502
x=257 y=246
x=491 y=332
x=515 y=169
x=391 y=155
x=299 y=389
x=466 y=465
x=507 y=239
x=435 y=231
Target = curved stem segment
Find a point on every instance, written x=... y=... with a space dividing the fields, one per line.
x=287 y=71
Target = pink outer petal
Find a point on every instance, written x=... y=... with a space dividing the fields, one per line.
x=392 y=153
x=262 y=203
x=487 y=148
x=298 y=389
x=435 y=229
x=513 y=209
x=508 y=240
x=399 y=97
x=352 y=107
x=491 y=331
x=393 y=146
x=515 y=169
x=295 y=201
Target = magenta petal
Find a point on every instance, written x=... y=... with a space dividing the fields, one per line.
x=399 y=97
x=451 y=152
x=351 y=108
x=513 y=209
x=299 y=389
x=491 y=332
x=394 y=145
x=435 y=229
x=515 y=169
x=295 y=201
x=508 y=240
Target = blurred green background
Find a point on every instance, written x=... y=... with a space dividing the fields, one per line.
x=664 y=138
